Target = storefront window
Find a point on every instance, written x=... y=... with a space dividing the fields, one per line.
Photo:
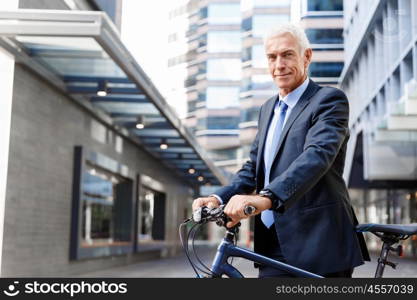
x=150 y=216
x=105 y=215
x=146 y=211
x=102 y=218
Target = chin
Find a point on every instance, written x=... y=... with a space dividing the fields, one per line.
x=283 y=84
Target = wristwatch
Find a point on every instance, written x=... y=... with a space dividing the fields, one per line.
x=276 y=203
x=268 y=194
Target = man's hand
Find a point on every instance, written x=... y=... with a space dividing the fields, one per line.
x=210 y=202
x=235 y=206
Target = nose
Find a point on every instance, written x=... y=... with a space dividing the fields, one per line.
x=279 y=65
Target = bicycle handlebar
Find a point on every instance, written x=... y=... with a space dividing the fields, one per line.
x=205 y=214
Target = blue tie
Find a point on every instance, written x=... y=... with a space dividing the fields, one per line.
x=271 y=144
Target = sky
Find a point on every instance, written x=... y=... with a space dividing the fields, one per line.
x=145 y=33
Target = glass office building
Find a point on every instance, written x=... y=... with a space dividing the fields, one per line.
x=323 y=24
x=226 y=72
x=258 y=18
x=379 y=78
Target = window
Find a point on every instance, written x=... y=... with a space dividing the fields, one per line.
x=258 y=57
x=106 y=216
x=325 y=36
x=224 y=41
x=224 y=13
x=224 y=69
x=223 y=122
x=250 y=114
x=246 y=54
x=228 y=122
x=222 y=97
x=101 y=218
x=325 y=69
x=262 y=24
x=258 y=82
x=247 y=24
x=249 y=4
x=223 y=154
x=151 y=215
x=325 y=5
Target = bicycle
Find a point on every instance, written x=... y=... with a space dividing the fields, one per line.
x=390 y=235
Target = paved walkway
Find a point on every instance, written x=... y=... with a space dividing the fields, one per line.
x=178 y=267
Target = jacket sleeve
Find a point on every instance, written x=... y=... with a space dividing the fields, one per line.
x=323 y=141
x=244 y=181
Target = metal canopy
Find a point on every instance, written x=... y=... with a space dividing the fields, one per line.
x=81 y=54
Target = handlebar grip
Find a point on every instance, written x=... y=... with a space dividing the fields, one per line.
x=249 y=210
x=197 y=215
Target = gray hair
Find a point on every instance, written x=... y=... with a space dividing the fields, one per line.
x=296 y=31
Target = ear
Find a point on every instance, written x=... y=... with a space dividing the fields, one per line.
x=308 y=54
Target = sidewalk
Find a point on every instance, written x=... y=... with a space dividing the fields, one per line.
x=179 y=267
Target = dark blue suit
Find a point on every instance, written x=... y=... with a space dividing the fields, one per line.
x=315 y=224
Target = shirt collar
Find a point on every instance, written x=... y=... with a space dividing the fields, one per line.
x=292 y=98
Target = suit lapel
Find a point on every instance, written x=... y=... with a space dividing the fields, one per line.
x=269 y=112
x=298 y=108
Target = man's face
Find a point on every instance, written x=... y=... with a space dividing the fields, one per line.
x=287 y=65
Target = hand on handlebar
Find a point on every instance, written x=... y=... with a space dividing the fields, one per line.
x=235 y=208
x=210 y=202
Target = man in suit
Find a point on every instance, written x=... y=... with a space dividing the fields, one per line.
x=303 y=212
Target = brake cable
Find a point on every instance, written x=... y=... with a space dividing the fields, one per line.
x=186 y=248
x=190 y=236
x=195 y=252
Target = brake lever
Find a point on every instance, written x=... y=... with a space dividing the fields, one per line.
x=197 y=215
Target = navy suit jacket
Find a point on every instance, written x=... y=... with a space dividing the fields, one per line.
x=315 y=223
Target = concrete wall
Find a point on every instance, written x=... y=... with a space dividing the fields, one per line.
x=46 y=125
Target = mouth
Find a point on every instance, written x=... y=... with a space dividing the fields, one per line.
x=282 y=75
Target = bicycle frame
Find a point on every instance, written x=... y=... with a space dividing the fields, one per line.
x=227 y=249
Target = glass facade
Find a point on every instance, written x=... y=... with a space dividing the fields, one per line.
x=224 y=13
x=258 y=82
x=325 y=5
x=325 y=36
x=255 y=54
x=223 y=154
x=218 y=97
x=224 y=69
x=228 y=122
x=262 y=24
x=250 y=114
x=224 y=41
x=325 y=69
x=258 y=57
x=250 y=4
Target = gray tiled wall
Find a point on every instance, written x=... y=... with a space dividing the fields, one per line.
x=46 y=126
